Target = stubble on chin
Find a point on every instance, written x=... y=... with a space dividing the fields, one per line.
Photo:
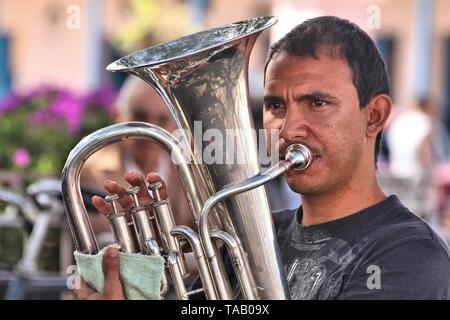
x=299 y=185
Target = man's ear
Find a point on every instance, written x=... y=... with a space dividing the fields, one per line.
x=377 y=113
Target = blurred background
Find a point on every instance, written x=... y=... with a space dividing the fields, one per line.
x=54 y=90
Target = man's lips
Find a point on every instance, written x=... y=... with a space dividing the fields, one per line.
x=315 y=157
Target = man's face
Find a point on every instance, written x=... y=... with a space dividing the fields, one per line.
x=147 y=106
x=314 y=101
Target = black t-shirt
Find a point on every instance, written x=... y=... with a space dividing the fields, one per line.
x=382 y=252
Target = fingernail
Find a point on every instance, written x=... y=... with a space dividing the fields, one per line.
x=112 y=252
x=131 y=172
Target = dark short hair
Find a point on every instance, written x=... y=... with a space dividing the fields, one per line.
x=343 y=39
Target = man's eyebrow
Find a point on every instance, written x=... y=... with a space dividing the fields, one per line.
x=316 y=95
x=272 y=98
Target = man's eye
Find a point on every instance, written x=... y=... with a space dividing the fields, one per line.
x=319 y=103
x=273 y=105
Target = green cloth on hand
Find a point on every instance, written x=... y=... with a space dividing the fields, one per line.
x=140 y=274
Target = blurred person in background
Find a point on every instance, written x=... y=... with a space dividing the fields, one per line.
x=409 y=145
x=417 y=142
x=137 y=101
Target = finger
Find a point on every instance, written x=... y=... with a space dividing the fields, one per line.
x=114 y=188
x=101 y=205
x=153 y=177
x=111 y=267
x=136 y=179
x=84 y=290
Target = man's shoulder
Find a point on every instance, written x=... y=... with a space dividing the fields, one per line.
x=402 y=227
x=412 y=259
x=408 y=242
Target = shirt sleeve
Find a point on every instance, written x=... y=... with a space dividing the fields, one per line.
x=416 y=270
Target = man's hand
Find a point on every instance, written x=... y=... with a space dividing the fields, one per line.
x=134 y=179
x=113 y=287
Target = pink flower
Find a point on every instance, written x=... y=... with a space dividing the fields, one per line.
x=21 y=157
x=69 y=108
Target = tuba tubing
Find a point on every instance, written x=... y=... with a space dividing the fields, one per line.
x=79 y=223
x=297 y=156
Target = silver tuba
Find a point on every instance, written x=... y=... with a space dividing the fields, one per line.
x=203 y=80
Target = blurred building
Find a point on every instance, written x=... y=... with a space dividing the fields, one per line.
x=44 y=41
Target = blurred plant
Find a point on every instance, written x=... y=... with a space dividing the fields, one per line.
x=38 y=129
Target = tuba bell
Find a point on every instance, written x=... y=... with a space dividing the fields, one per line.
x=202 y=78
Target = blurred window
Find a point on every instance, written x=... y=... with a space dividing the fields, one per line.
x=386 y=45
x=5 y=80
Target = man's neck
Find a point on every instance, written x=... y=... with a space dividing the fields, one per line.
x=335 y=205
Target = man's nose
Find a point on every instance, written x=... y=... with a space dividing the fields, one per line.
x=294 y=127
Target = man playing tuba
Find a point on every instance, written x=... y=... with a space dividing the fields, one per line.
x=326 y=86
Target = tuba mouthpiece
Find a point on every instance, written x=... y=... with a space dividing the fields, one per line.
x=299 y=155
